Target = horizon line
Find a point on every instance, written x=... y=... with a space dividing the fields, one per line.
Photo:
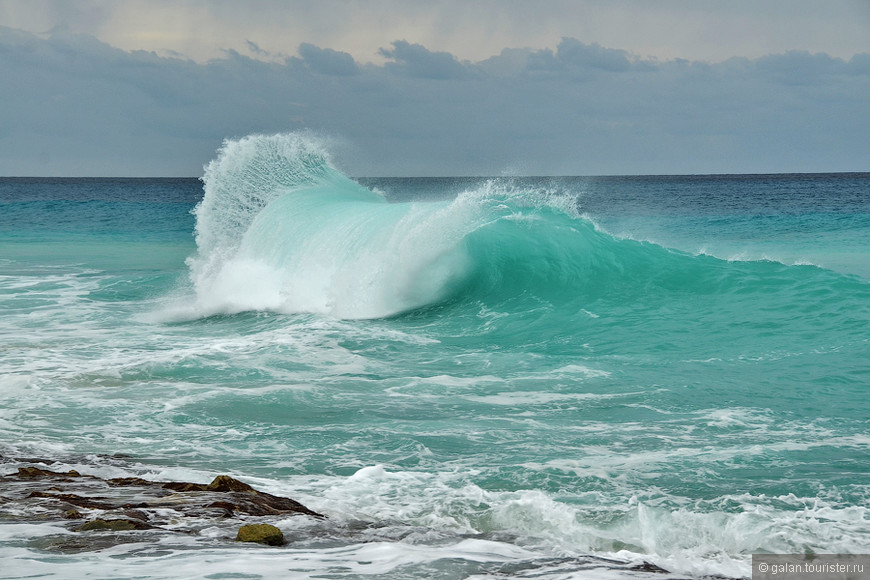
x=445 y=176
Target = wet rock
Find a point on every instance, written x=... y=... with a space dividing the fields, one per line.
x=184 y=486
x=221 y=483
x=78 y=543
x=263 y=504
x=261 y=534
x=135 y=515
x=227 y=483
x=127 y=481
x=73 y=499
x=112 y=525
x=34 y=472
x=649 y=567
x=227 y=507
x=109 y=512
x=242 y=498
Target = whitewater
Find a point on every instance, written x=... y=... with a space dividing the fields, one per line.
x=524 y=377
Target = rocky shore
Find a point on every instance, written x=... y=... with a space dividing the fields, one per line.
x=105 y=512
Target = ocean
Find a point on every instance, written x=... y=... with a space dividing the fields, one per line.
x=507 y=377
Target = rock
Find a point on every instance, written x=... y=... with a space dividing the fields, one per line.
x=113 y=525
x=227 y=483
x=184 y=486
x=109 y=512
x=242 y=498
x=221 y=483
x=262 y=504
x=648 y=567
x=33 y=472
x=128 y=481
x=135 y=515
x=261 y=534
x=229 y=508
x=73 y=499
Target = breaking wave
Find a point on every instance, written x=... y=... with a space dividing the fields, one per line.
x=281 y=229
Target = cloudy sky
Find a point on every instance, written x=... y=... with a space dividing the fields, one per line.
x=486 y=87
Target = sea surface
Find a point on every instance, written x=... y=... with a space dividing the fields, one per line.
x=513 y=377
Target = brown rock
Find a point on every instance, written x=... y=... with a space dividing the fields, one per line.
x=35 y=472
x=31 y=472
x=227 y=483
x=228 y=507
x=184 y=486
x=241 y=497
x=76 y=500
x=127 y=504
x=128 y=481
x=112 y=525
x=264 y=504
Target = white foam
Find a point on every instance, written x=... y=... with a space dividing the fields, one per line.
x=371 y=472
x=521 y=398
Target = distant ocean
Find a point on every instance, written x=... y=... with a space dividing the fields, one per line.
x=514 y=377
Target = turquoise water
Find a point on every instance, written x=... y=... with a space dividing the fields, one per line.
x=513 y=373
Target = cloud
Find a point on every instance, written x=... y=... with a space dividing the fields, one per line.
x=571 y=53
x=255 y=49
x=327 y=61
x=75 y=106
x=417 y=61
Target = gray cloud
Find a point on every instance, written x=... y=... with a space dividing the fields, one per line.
x=75 y=106
x=255 y=48
x=327 y=61
x=416 y=60
x=572 y=53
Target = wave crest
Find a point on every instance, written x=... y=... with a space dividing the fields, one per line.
x=245 y=177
